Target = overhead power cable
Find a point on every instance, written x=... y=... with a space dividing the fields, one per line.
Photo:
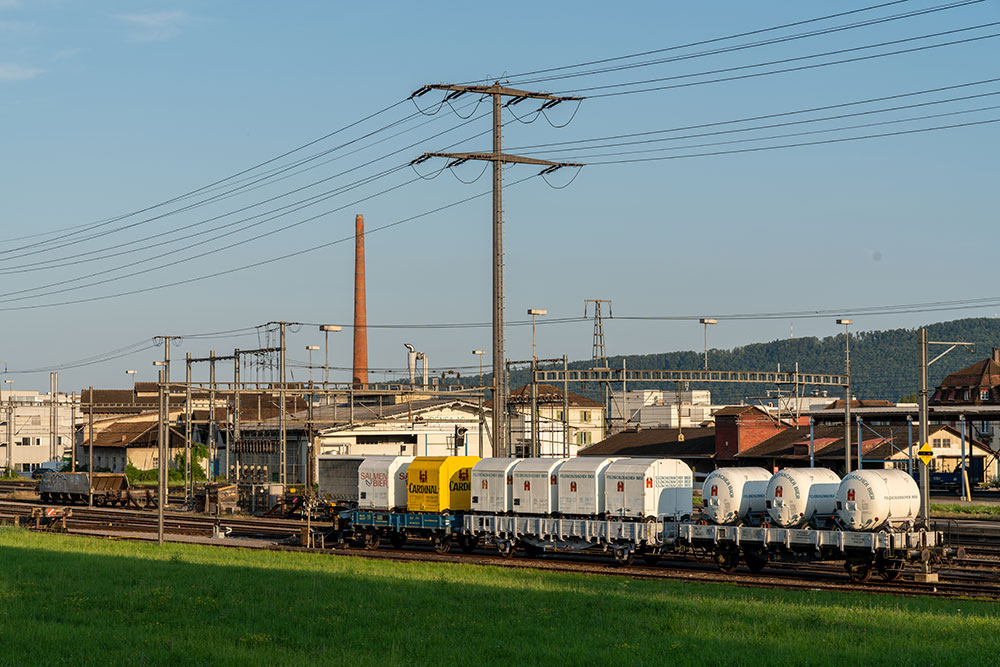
x=784 y=70
x=766 y=42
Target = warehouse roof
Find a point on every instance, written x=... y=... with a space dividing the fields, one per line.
x=657 y=442
x=549 y=395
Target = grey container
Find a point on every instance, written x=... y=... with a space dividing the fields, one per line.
x=65 y=482
x=338 y=478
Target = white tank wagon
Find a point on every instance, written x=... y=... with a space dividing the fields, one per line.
x=794 y=496
x=734 y=495
x=648 y=489
x=382 y=482
x=878 y=498
x=535 y=490
x=493 y=486
x=580 y=486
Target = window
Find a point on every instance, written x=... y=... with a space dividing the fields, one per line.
x=585 y=415
x=583 y=437
x=25 y=442
x=559 y=415
x=965 y=395
x=984 y=394
x=941 y=443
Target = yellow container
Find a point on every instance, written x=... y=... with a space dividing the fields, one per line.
x=439 y=483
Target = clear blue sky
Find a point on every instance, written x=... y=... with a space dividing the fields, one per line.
x=109 y=107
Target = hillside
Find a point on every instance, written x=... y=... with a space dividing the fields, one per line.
x=884 y=364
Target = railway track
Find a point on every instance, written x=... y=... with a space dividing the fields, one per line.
x=975 y=576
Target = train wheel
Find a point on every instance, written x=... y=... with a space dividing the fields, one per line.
x=442 y=544
x=506 y=548
x=755 y=560
x=860 y=571
x=890 y=569
x=468 y=543
x=397 y=540
x=371 y=540
x=100 y=501
x=727 y=559
x=623 y=556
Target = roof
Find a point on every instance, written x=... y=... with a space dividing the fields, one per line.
x=402 y=411
x=861 y=403
x=737 y=410
x=548 y=395
x=133 y=433
x=656 y=442
x=985 y=373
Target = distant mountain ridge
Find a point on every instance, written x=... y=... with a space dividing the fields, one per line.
x=884 y=364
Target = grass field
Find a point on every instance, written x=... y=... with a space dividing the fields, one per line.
x=70 y=600
x=957 y=511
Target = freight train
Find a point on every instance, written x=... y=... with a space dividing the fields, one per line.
x=629 y=507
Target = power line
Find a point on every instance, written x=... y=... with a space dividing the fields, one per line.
x=767 y=42
x=787 y=69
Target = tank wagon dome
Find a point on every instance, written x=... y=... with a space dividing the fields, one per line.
x=382 y=482
x=730 y=495
x=440 y=483
x=493 y=485
x=580 y=483
x=535 y=488
x=648 y=488
x=876 y=498
x=795 y=495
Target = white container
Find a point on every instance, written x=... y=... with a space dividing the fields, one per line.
x=493 y=486
x=729 y=495
x=535 y=486
x=338 y=477
x=382 y=482
x=645 y=488
x=580 y=486
x=871 y=499
x=795 y=495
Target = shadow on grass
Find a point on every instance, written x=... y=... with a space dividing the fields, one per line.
x=102 y=602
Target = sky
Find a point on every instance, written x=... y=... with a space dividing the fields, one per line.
x=124 y=121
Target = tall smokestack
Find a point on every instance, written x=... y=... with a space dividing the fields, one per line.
x=360 y=307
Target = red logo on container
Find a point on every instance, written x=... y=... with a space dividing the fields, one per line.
x=649 y=483
x=715 y=490
x=572 y=487
x=423 y=475
x=527 y=485
x=510 y=479
x=463 y=475
x=621 y=487
x=485 y=484
x=552 y=479
x=777 y=492
x=850 y=494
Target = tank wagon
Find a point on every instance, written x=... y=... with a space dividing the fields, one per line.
x=797 y=497
x=735 y=495
x=650 y=516
x=876 y=499
x=382 y=482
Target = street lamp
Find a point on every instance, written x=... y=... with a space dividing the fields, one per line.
x=326 y=329
x=847 y=398
x=133 y=374
x=311 y=349
x=10 y=425
x=706 y=321
x=480 y=353
x=533 y=312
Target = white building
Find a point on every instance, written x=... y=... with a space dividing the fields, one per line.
x=424 y=427
x=26 y=418
x=557 y=436
x=662 y=408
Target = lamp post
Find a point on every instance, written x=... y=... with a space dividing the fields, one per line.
x=847 y=397
x=10 y=426
x=326 y=329
x=706 y=321
x=480 y=353
x=311 y=349
x=133 y=374
x=533 y=312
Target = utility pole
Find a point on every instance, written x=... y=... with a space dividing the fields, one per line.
x=53 y=415
x=211 y=414
x=497 y=92
x=232 y=453
x=188 y=469
x=90 y=448
x=282 y=424
x=847 y=397
x=161 y=491
x=600 y=353
x=167 y=341
x=11 y=416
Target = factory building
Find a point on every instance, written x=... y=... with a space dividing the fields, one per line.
x=28 y=413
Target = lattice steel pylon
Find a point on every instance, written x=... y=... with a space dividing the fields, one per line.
x=600 y=353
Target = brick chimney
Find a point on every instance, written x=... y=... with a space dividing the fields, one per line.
x=360 y=306
x=996 y=354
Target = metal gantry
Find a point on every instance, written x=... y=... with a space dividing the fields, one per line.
x=744 y=377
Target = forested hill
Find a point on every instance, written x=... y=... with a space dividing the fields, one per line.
x=884 y=364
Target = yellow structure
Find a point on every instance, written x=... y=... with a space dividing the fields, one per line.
x=439 y=483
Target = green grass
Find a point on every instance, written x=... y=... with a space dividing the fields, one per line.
x=965 y=511
x=70 y=600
